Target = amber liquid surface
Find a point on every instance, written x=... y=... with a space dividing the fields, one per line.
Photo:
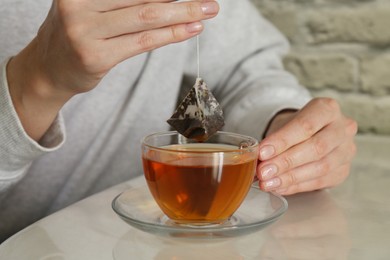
x=196 y=188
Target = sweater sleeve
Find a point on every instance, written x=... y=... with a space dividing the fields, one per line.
x=17 y=149
x=241 y=61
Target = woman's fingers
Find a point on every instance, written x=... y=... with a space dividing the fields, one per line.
x=151 y=16
x=319 y=174
x=133 y=44
x=86 y=38
x=317 y=114
x=310 y=150
x=105 y=6
x=330 y=180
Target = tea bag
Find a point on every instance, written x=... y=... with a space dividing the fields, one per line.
x=199 y=115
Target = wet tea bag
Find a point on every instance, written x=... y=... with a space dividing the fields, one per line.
x=199 y=115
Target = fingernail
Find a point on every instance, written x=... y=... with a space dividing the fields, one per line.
x=210 y=8
x=271 y=184
x=266 y=152
x=194 y=27
x=268 y=171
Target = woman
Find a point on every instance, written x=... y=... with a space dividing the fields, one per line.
x=106 y=71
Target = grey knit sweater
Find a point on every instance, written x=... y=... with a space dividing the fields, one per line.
x=95 y=141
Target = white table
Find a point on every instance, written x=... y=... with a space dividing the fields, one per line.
x=351 y=221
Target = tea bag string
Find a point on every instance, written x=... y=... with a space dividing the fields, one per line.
x=197 y=55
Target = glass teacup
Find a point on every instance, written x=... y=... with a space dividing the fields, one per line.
x=199 y=183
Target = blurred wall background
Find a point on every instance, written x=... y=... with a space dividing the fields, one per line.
x=340 y=49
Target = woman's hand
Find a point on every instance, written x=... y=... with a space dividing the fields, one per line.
x=81 y=40
x=307 y=150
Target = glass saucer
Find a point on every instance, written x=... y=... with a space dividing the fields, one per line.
x=137 y=207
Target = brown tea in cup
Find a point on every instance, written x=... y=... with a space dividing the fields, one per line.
x=199 y=183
